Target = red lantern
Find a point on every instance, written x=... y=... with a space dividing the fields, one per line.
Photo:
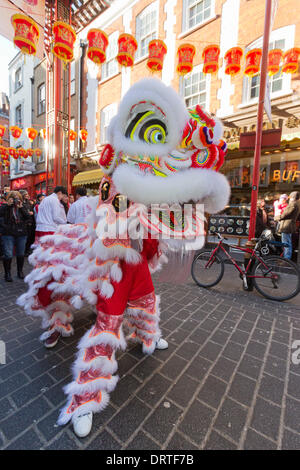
x=98 y=43
x=26 y=33
x=185 y=54
x=28 y=153
x=64 y=38
x=233 y=60
x=252 y=59
x=83 y=134
x=2 y=131
x=12 y=152
x=275 y=56
x=4 y=153
x=211 y=59
x=43 y=134
x=38 y=152
x=290 y=60
x=6 y=166
x=15 y=131
x=127 y=48
x=157 y=51
x=31 y=133
x=21 y=152
x=72 y=135
x=2 y=150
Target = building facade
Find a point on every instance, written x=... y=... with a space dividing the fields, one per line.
x=4 y=121
x=233 y=99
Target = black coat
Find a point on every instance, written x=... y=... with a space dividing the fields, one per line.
x=8 y=223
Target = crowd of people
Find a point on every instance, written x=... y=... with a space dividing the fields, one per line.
x=23 y=221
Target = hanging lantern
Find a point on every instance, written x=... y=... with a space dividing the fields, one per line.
x=83 y=134
x=26 y=33
x=31 y=133
x=38 y=152
x=43 y=134
x=233 y=60
x=185 y=54
x=290 y=60
x=2 y=150
x=127 y=47
x=211 y=59
x=64 y=38
x=28 y=153
x=2 y=132
x=157 y=51
x=12 y=152
x=253 y=59
x=72 y=135
x=15 y=131
x=98 y=42
x=4 y=153
x=6 y=166
x=275 y=56
x=21 y=152
x=15 y=155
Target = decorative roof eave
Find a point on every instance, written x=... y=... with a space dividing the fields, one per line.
x=85 y=11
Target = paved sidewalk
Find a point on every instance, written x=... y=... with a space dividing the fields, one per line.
x=226 y=381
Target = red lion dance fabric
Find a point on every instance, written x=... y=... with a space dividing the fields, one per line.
x=159 y=154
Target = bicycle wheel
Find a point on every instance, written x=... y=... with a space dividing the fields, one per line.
x=207 y=274
x=277 y=279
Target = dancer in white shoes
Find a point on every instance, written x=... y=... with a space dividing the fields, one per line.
x=158 y=153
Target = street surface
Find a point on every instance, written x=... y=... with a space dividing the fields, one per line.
x=227 y=380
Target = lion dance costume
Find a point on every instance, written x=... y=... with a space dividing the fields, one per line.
x=158 y=153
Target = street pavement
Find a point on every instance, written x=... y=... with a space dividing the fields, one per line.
x=227 y=380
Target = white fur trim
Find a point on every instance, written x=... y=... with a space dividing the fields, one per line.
x=92 y=406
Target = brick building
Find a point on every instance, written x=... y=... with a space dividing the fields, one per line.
x=233 y=99
x=4 y=121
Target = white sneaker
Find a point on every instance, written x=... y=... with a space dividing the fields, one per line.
x=161 y=344
x=82 y=424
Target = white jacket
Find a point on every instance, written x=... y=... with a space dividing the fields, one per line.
x=79 y=211
x=51 y=214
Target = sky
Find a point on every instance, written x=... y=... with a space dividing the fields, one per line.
x=7 y=53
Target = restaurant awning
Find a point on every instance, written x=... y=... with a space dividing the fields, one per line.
x=88 y=177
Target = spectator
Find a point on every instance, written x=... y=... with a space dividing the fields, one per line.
x=262 y=218
x=280 y=205
x=287 y=224
x=13 y=226
x=29 y=206
x=71 y=199
x=2 y=200
x=65 y=203
x=79 y=211
x=39 y=199
x=51 y=213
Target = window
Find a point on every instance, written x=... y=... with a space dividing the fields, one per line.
x=282 y=38
x=18 y=78
x=195 y=89
x=107 y=114
x=146 y=28
x=41 y=145
x=41 y=99
x=18 y=116
x=73 y=79
x=110 y=67
x=196 y=12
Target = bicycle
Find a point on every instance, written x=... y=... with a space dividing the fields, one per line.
x=274 y=277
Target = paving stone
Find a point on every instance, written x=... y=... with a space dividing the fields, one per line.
x=224 y=368
x=125 y=388
x=231 y=419
x=182 y=392
x=61 y=371
x=279 y=350
x=16 y=366
x=64 y=442
x=255 y=441
x=292 y=414
x=256 y=349
x=33 y=389
x=233 y=351
x=245 y=325
x=212 y=391
x=220 y=337
x=125 y=364
x=199 y=336
x=250 y=366
x=290 y=441
x=188 y=349
x=266 y=418
x=145 y=369
x=198 y=368
x=173 y=367
x=28 y=441
x=260 y=336
x=178 y=336
x=242 y=389
x=48 y=426
x=240 y=337
x=24 y=418
x=142 y=442
x=154 y=389
x=294 y=386
x=281 y=336
x=162 y=420
x=275 y=366
x=178 y=442
x=56 y=394
x=26 y=349
x=13 y=383
x=271 y=389
x=197 y=421
x=218 y=442
x=127 y=420
x=210 y=350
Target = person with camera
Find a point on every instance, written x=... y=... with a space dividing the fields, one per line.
x=13 y=227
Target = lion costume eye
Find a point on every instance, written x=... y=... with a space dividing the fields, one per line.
x=147 y=126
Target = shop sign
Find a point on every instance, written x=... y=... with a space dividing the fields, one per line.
x=27 y=166
x=270 y=138
x=229 y=225
x=284 y=176
x=18 y=183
